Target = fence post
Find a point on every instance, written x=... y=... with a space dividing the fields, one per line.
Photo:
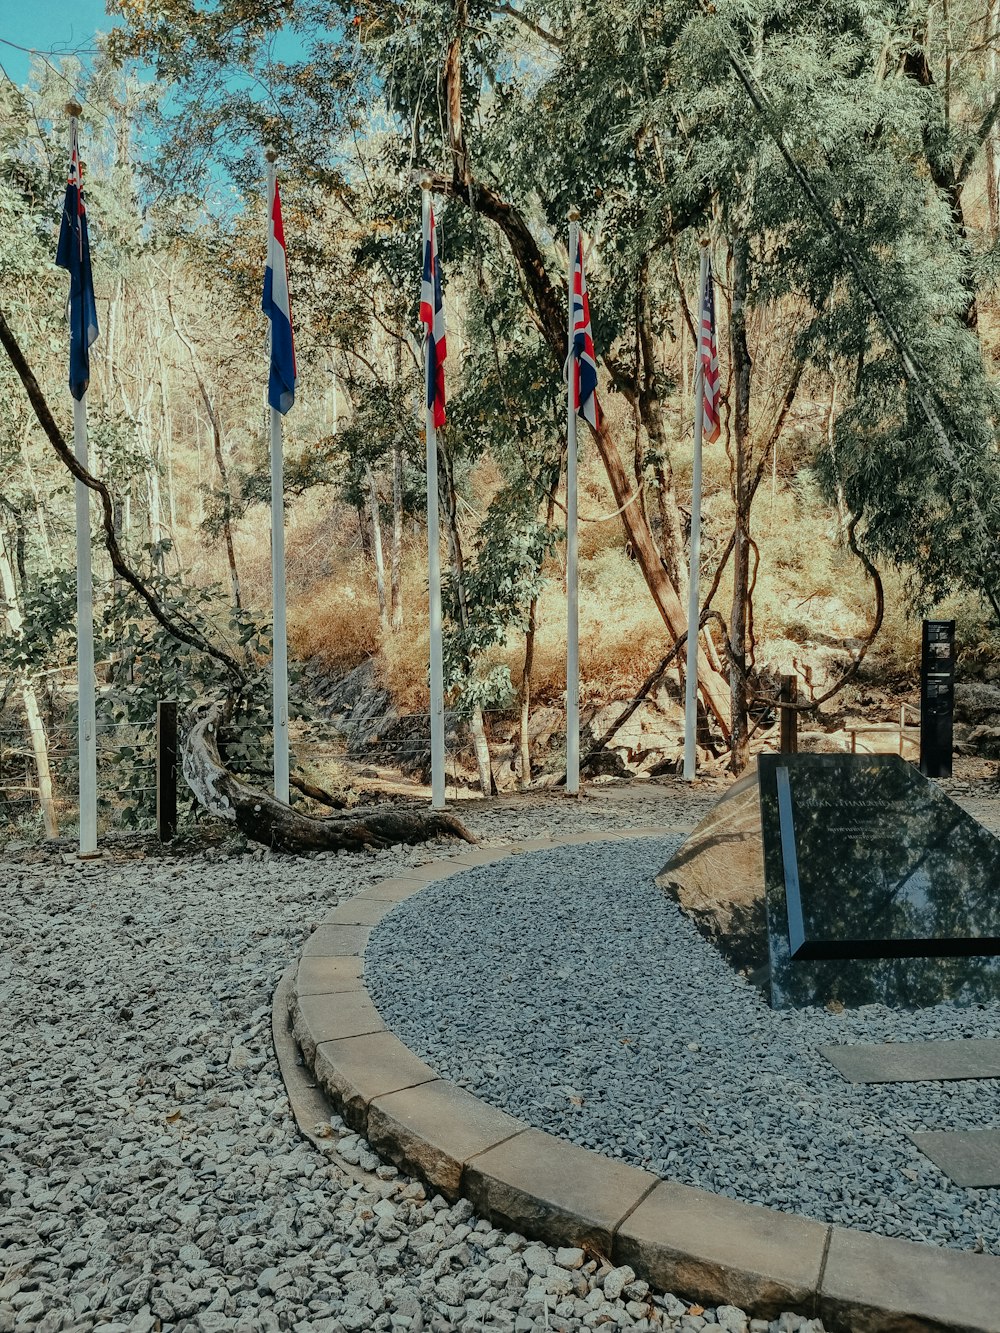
x=788 y=742
x=166 y=770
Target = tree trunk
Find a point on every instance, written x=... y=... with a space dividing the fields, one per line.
x=383 y=613
x=43 y=525
x=481 y=743
x=529 y=645
x=529 y=659
x=396 y=589
x=36 y=728
x=480 y=740
x=220 y=461
x=263 y=819
x=551 y=315
x=742 y=494
x=992 y=181
x=672 y=538
x=664 y=593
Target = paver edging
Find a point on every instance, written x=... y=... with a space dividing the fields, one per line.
x=714 y=1249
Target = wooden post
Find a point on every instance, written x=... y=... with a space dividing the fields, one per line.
x=788 y=742
x=166 y=770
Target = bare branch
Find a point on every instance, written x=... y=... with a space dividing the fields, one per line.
x=544 y=34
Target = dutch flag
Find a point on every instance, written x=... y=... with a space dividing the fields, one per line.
x=277 y=306
x=432 y=316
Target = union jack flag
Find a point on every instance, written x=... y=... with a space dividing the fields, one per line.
x=73 y=254
x=583 y=359
x=708 y=353
x=432 y=317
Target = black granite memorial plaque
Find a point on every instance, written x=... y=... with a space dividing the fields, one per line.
x=878 y=886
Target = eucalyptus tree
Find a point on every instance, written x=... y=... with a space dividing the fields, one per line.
x=504 y=85
x=661 y=123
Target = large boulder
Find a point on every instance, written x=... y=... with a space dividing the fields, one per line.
x=717 y=878
x=977 y=703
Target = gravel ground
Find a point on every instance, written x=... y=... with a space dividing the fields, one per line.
x=150 y=1174
x=566 y=988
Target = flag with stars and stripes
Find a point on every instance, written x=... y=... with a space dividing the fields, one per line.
x=584 y=360
x=708 y=352
x=73 y=254
x=277 y=306
x=432 y=317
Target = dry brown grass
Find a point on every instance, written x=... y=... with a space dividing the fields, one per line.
x=809 y=590
x=336 y=621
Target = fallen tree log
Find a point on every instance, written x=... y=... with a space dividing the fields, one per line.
x=264 y=819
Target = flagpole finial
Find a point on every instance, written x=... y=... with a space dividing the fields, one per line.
x=271 y=153
x=573 y=214
x=73 y=108
x=426 y=183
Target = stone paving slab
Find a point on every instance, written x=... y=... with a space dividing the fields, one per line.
x=701 y=1244
x=336 y=942
x=360 y=911
x=328 y=976
x=479 y=856
x=916 y=1061
x=969 y=1157
x=435 y=1129
x=320 y=1018
x=393 y=890
x=532 y=845
x=355 y=1070
x=540 y=1185
x=874 y=1284
x=441 y=869
x=723 y=1251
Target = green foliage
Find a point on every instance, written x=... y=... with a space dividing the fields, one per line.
x=147 y=665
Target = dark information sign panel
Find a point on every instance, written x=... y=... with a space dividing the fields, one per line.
x=937 y=697
x=878 y=886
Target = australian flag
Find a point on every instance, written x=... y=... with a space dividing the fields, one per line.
x=432 y=316
x=277 y=306
x=583 y=361
x=73 y=254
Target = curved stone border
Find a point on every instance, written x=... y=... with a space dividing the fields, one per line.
x=713 y=1249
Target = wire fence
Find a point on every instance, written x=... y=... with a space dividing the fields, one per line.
x=41 y=767
x=339 y=754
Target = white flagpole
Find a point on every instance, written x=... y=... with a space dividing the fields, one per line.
x=433 y=567
x=86 y=684
x=572 y=587
x=87 y=730
x=694 y=605
x=279 y=633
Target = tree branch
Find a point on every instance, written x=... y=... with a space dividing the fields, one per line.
x=986 y=127
x=178 y=626
x=548 y=37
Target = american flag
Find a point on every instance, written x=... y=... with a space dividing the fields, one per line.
x=583 y=359
x=708 y=353
x=432 y=316
x=73 y=254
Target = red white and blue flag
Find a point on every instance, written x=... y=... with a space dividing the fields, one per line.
x=432 y=317
x=277 y=306
x=73 y=254
x=708 y=352
x=583 y=361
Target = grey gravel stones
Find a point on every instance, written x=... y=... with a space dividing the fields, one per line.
x=563 y=987
x=151 y=1178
